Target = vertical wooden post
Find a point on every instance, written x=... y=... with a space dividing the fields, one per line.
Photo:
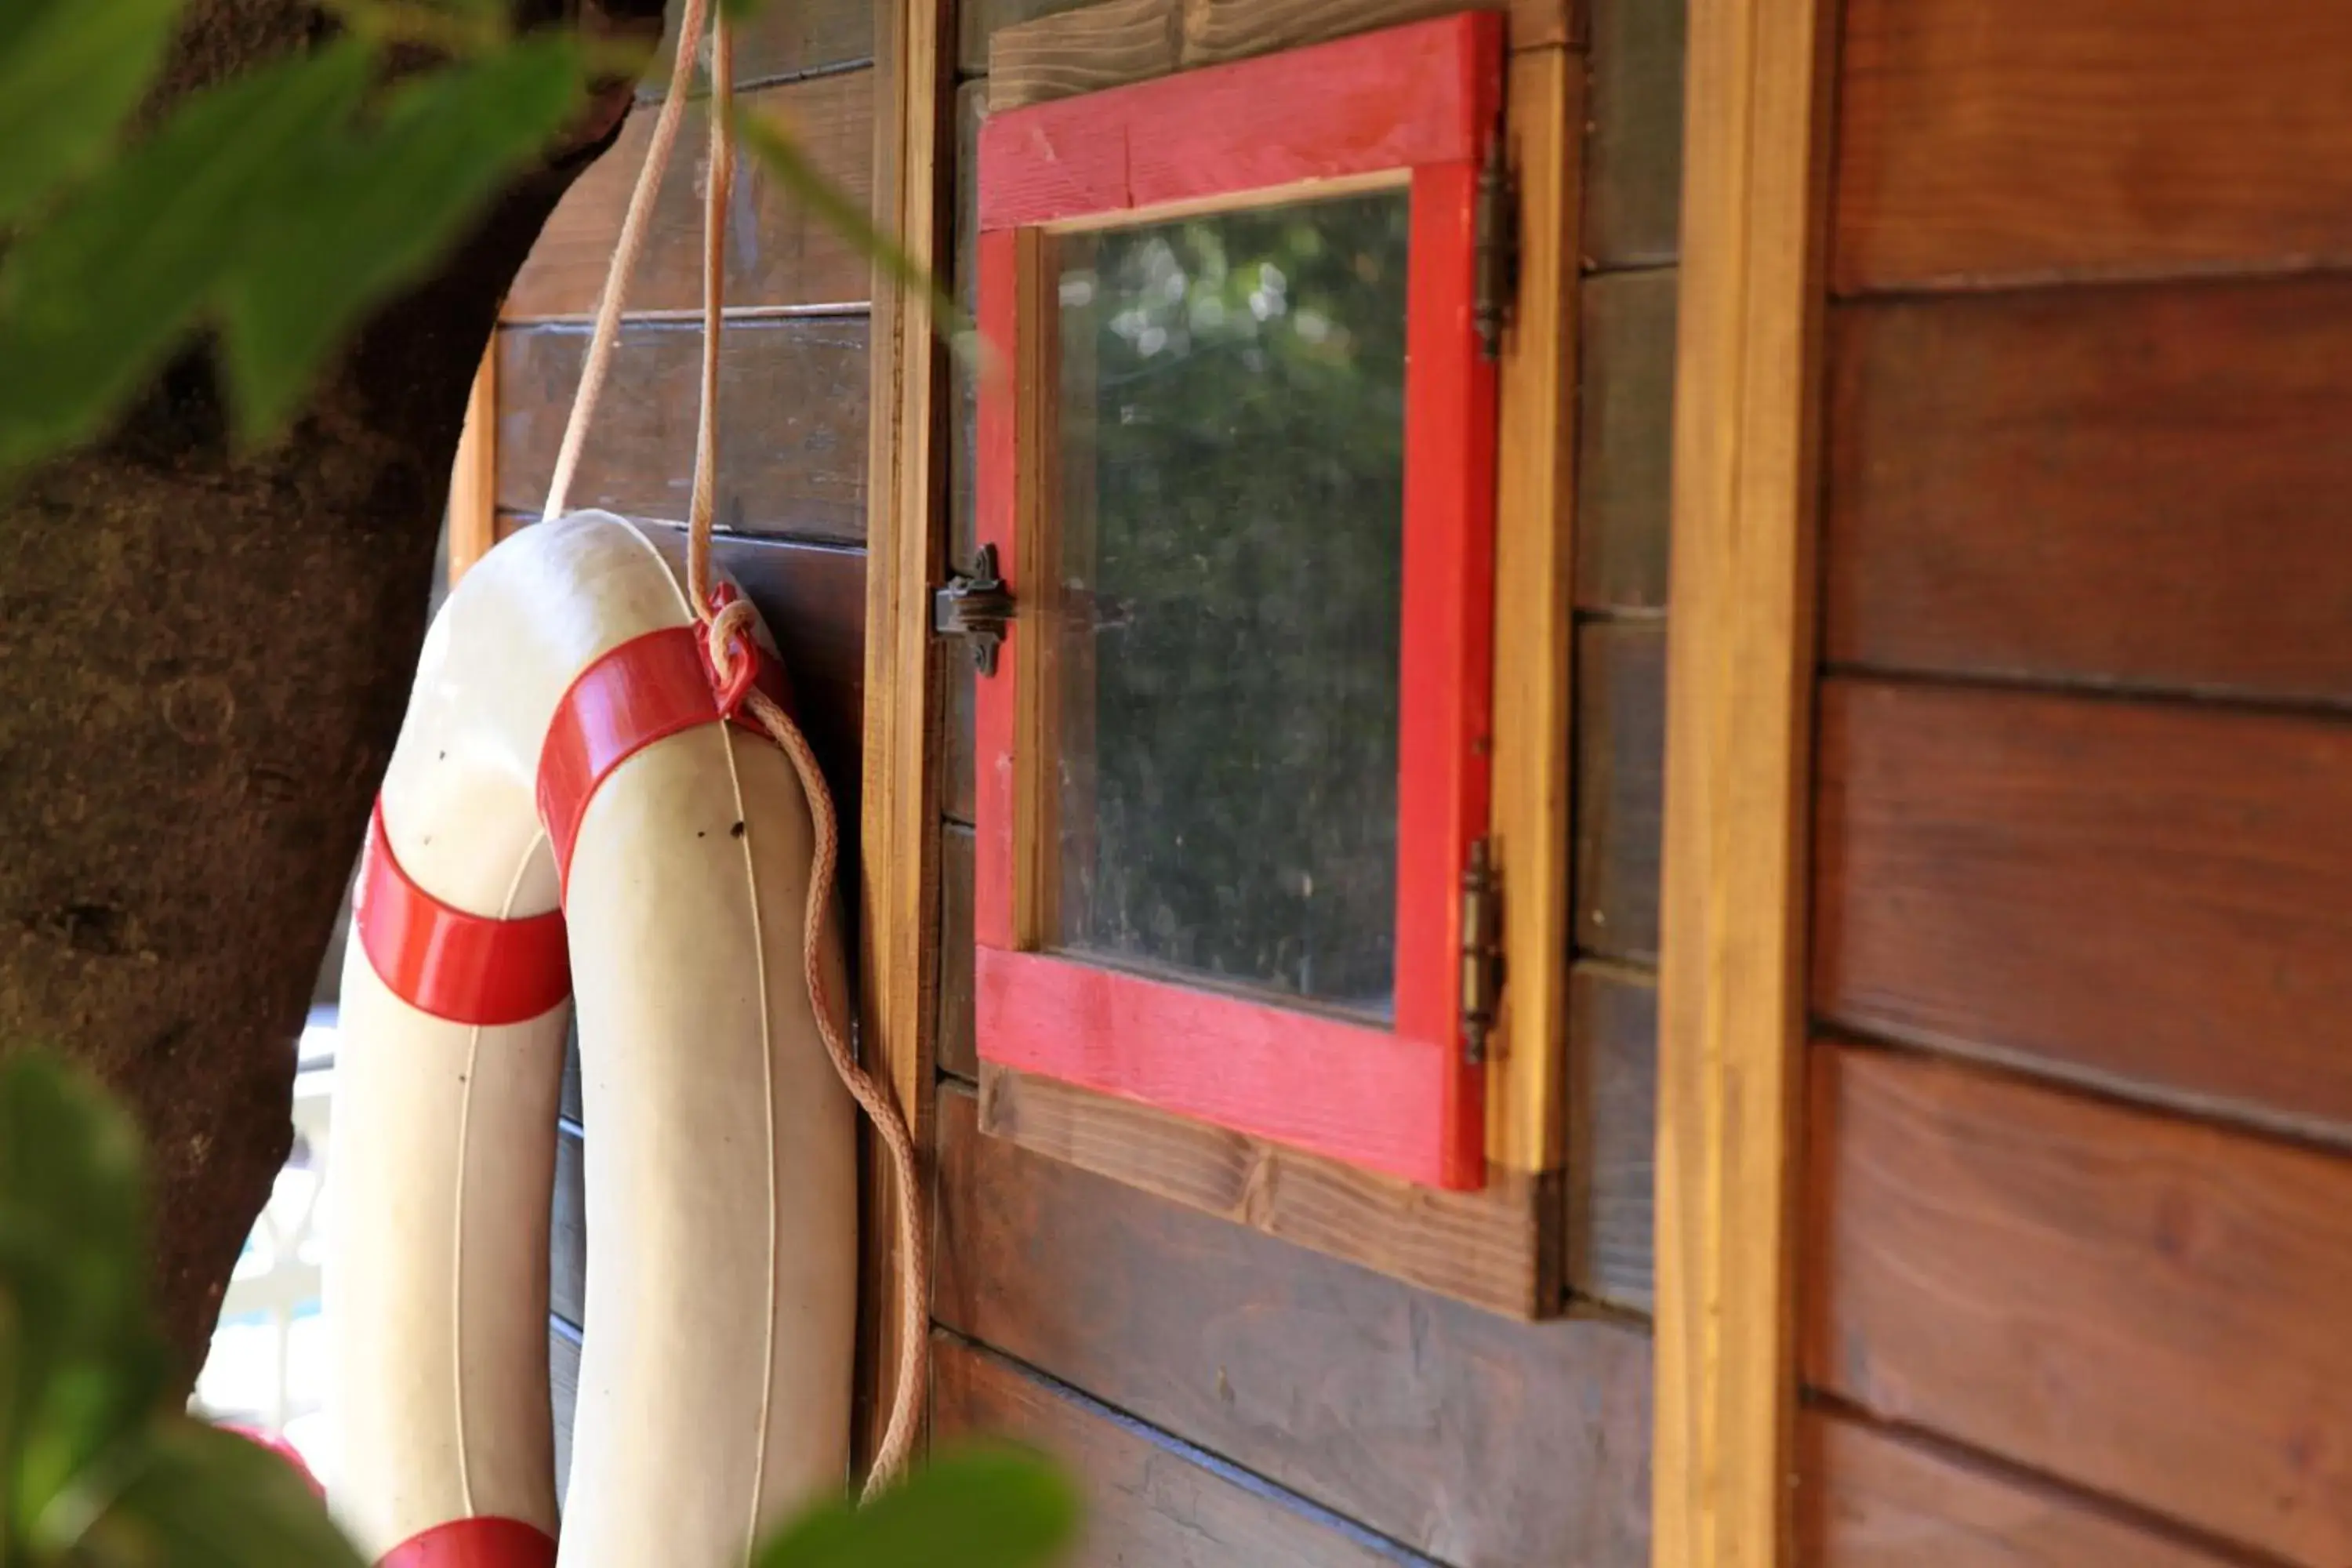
x=899 y=876
x=1534 y=633
x=1739 y=691
x=474 y=482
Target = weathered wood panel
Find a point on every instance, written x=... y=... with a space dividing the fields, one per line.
x=814 y=600
x=1983 y=140
x=2140 y=485
x=791 y=439
x=778 y=251
x=1633 y=145
x=564 y=1399
x=567 y=1269
x=1620 y=745
x=982 y=20
x=1149 y=1503
x=1613 y=1118
x=1068 y=51
x=788 y=39
x=1497 y=1247
x=1625 y=440
x=2144 y=1306
x=1871 y=1500
x=1453 y=1430
x=571 y=1105
x=956 y=1050
x=2153 y=895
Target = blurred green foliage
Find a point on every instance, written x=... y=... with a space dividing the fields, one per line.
x=275 y=209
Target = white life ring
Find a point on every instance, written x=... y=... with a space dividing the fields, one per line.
x=567 y=773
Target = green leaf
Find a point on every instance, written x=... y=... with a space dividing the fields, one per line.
x=786 y=165
x=71 y=72
x=371 y=213
x=986 y=1508
x=93 y=301
x=194 y=1497
x=85 y=1366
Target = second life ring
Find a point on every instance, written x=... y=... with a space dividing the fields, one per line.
x=570 y=813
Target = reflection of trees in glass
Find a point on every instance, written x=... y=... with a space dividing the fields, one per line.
x=1231 y=432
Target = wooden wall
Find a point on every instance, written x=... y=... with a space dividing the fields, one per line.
x=792 y=439
x=1230 y=1400
x=2078 y=1204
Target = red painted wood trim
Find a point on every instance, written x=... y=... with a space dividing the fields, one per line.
x=995 y=501
x=1400 y=1101
x=646 y=690
x=475 y=1543
x=1445 y=685
x=1352 y=1092
x=467 y=968
x=1401 y=99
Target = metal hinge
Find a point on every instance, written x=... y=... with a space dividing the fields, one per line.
x=977 y=608
x=1482 y=950
x=1497 y=249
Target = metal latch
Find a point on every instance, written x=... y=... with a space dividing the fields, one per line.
x=1481 y=951
x=1496 y=243
x=977 y=608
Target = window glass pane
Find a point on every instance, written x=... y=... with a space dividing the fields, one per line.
x=1231 y=513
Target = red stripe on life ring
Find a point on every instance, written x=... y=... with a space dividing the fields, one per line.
x=648 y=689
x=466 y=968
x=484 y=1543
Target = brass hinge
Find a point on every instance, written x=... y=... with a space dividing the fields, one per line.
x=977 y=608
x=1482 y=950
x=1497 y=261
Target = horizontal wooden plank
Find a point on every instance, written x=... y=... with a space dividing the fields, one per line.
x=1454 y=1431
x=1625 y=439
x=2138 y=485
x=784 y=40
x=1068 y=51
x=2151 y=895
x=563 y=1394
x=978 y=23
x=1497 y=1248
x=567 y=1268
x=1871 y=1500
x=956 y=1051
x=1613 y=1116
x=2148 y=1308
x=1621 y=751
x=1994 y=141
x=791 y=439
x=1633 y=142
x=778 y=251
x=1149 y=1504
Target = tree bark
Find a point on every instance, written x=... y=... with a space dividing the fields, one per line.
x=203 y=661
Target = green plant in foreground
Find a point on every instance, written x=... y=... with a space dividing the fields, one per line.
x=99 y=1469
x=276 y=209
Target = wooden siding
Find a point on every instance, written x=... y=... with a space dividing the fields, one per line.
x=1149 y=1498
x=1464 y=1435
x=778 y=251
x=791 y=437
x=1877 y=1499
x=2145 y=1306
x=2146 y=892
x=2140 y=487
x=1986 y=141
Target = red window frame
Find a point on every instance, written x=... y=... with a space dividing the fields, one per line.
x=1419 y=105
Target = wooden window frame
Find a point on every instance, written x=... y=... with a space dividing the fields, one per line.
x=1417 y=107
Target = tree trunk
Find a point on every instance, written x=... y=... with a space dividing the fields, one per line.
x=203 y=661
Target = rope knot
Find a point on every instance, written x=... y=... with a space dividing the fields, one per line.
x=729 y=656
